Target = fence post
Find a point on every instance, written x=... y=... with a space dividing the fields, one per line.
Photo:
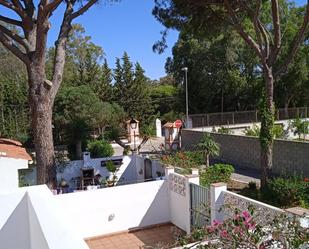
x=256 y=116
x=207 y=117
x=216 y=201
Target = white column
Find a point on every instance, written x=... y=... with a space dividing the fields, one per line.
x=158 y=128
x=217 y=201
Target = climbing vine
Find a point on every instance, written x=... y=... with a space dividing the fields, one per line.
x=267 y=123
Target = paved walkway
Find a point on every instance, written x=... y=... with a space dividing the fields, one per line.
x=246 y=175
x=157 y=237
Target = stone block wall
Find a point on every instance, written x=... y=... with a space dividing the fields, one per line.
x=288 y=157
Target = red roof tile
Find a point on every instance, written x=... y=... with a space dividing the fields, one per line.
x=13 y=149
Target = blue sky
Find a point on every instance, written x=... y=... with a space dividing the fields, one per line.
x=125 y=26
x=129 y=26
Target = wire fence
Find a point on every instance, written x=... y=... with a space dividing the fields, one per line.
x=231 y=118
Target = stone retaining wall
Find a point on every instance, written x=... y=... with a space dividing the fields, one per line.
x=288 y=157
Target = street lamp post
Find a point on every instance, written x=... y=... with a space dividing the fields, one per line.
x=185 y=69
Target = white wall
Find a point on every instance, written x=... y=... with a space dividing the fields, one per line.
x=126 y=172
x=31 y=219
x=131 y=170
x=109 y=210
x=9 y=173
x=179 y=204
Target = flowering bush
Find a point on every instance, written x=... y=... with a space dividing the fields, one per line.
x=184 y=159
x=244 y=231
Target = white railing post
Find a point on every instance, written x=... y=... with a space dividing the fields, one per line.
x=217 y=201
x=168 y=170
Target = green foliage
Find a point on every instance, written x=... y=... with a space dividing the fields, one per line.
x=225 y=130
x=77 y=112
x=287 y=192
x=185 y=159
x=254 y=131
x=99 y=148
x=110 y=166
x=278 y=131
x=208 y=145
x=216 y=173
x=300 y=127
x=267 y=123
x=132 y=90
x=171 y=116
x=14 y=111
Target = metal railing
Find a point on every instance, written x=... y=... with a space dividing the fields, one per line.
x=199 y=205
x=231 y=118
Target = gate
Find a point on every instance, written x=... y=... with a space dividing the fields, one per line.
x=199 y=205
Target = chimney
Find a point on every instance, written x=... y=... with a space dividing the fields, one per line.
x=86 y=159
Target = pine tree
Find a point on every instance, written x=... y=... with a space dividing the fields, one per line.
x=142 y=107
x=119 y=87
x=104 y=86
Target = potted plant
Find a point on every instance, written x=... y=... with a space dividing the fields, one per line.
x=111 y=180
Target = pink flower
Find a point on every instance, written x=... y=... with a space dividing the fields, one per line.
x=249 y=225
x=224 y=234
x=238 y=230
x=216 y=223
x=246 y=215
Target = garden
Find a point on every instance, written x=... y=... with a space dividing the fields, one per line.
x=281 y=191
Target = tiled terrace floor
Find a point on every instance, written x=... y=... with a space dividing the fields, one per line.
x=163 y=235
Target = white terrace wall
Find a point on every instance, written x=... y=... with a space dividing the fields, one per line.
x=9 y=173
x=131 y=170
x=179 y=198
x=30 y=218
x=288 y=157
x=116 y=209
x=223 y=204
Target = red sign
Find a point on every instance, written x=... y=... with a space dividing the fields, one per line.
x=178 y=123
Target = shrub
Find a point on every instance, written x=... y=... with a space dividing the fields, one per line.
x=216 y=173
x=278 y=131
x=100 y=148
x=225 y=130
x=184 y=159
x=254 y=131
x=287 y=192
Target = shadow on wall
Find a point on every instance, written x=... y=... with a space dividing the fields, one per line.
x=159 y=205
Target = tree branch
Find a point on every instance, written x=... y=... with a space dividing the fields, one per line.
x=299 y=37
x=52 y=6
x=23 y=42
x=265 y=38
x=14 y=49
x=12 y=7
x=29 y=7
x=10 y=21
x=241 y=30
x=60 y=47
x=277 y=31
x=83 y=9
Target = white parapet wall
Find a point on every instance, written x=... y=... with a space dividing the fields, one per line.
x=116 y=209
x=31 y=218
x=9 y=173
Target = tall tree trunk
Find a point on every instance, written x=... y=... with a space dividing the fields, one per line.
x=41 y=118
x=78 y=148
x=266 y=134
